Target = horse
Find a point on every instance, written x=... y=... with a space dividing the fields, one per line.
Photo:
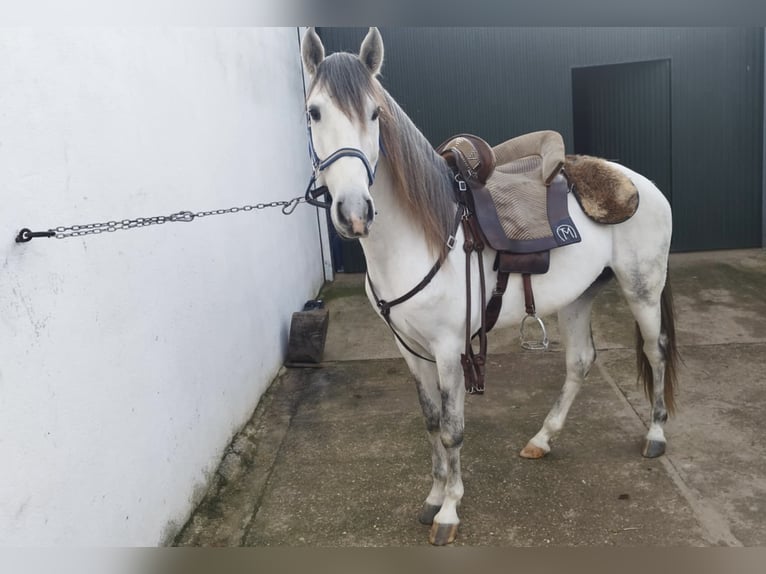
x=390 y=190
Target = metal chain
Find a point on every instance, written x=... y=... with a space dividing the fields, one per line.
x=63 y=232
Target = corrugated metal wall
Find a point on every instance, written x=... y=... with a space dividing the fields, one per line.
x=622 y=113
x=502 y=82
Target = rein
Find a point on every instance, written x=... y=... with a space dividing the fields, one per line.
x=474 y=364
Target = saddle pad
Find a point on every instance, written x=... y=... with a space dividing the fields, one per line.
x=525 y=219
x=516 y=210
x=605 y=194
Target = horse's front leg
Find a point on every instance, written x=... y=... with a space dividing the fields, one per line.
x=452 y=392
x=441 y=394
x=427 y=382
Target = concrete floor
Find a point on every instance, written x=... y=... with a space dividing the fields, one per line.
x=337 y=456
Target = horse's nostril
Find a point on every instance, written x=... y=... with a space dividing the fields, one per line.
x=370 y=211
x=342 y=216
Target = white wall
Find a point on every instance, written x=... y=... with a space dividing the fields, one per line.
x=128 y=360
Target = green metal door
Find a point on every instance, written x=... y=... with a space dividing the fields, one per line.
x=622 y=113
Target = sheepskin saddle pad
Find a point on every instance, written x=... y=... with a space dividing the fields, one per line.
x=605 y=194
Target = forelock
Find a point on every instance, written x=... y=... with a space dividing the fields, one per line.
x=348 y=82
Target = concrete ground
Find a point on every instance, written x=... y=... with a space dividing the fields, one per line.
x=337 y=456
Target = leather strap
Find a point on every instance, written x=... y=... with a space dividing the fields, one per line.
x=385 y=311
x=474 y=364
x=466 y=359
x=496 y=301
x=529 y=297
x=385 y=306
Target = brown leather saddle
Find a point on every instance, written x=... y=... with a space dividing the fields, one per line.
x=520 y=205
x=515 y=203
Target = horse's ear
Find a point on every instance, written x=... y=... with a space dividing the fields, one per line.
x=371 y=52
x=312 y=51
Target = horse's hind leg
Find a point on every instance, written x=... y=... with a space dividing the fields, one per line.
x=575 y=327
x=656 y=354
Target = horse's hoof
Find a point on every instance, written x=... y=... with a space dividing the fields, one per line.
x=532 y=451
x=427 y=513
x=653 y=448
x=442 y=534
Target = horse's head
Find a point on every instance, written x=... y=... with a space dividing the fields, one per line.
x=343 y=104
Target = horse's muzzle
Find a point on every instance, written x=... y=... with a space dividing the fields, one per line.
x=354 y=223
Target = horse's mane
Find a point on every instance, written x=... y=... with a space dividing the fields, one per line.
x=422 y=179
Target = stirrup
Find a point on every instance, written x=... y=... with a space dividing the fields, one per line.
x=532 y=345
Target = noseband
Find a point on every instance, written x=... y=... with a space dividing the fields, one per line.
x=313 y=194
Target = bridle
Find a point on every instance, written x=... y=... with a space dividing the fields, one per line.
x=313 y=194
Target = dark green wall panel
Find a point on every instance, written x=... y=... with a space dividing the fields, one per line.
x=622 y=113
x=502 y=82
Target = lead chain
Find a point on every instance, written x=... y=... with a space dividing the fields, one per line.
x=63 y=232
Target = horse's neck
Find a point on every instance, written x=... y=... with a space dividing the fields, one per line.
x=396 y=251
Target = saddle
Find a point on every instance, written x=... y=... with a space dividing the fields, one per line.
x=515 y=200
x=520 y=204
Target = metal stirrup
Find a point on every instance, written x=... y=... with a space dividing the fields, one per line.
x=530 y=344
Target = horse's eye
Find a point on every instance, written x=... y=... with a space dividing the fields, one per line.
x=375 y=114
x=314 y=114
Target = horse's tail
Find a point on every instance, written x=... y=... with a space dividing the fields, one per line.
x=668 y=347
